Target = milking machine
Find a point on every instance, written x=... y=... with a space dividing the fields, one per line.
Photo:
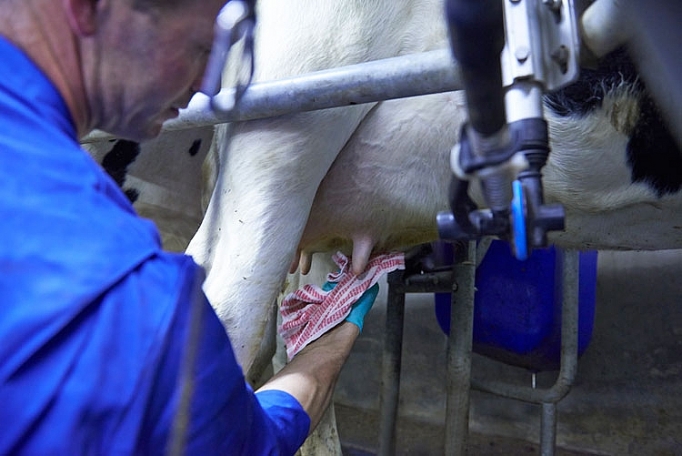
x=234 y=28
x=510 y=53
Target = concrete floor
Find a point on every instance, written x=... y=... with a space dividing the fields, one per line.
x=626 y=400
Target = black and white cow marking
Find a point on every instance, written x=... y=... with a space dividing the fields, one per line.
x=162 y=178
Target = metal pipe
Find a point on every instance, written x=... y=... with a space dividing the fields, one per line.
x=570 y=261
x=391 y=364
x=569 y=345
x=397 y=77
x=548 y=429
x=523 y=100
x=459 y=351
x=482 y=248
x=604 y=26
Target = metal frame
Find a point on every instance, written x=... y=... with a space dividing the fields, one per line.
x=459 y=353
x=398 y=286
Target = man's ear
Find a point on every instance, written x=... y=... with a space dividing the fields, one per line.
x=81 y=15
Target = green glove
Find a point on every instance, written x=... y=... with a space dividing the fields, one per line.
x=361 y=307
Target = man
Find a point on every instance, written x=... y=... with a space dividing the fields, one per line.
x=108 y=344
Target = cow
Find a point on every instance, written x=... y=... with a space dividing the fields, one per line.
x=370 y=178
x=253 y=224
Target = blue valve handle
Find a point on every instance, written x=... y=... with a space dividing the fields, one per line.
x=519 y=235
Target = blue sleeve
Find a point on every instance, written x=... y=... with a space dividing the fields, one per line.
x=121 y=371
x=224 y=416
x=285 y=416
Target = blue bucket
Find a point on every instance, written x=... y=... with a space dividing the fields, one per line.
x=517 y=307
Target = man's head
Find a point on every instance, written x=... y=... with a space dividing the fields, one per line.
x=143 y=60
x=122 y=66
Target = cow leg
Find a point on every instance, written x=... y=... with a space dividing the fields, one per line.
x=391 y=179
x=324 y=440
x=257 y=213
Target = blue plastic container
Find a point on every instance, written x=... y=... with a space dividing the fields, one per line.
x=517 y=309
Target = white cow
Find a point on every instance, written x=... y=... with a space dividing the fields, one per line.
x=372 y=177
x=375 y=174
x=272 y=168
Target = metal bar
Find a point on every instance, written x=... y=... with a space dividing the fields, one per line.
x=396 y=77
x=482 y=248
x=570 y=260
x=459 y=355
x=569 y=345
x=603 y=26
x=429 y=282
x=391 y=364
x=548 y=429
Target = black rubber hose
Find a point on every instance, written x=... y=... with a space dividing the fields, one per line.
x=477 y=39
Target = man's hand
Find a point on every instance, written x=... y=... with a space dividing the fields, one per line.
x=361 y=307
x=310 y=377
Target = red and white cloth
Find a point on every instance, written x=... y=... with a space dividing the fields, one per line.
x=309 y=312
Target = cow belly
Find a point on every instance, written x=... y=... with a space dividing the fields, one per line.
x=391 y=179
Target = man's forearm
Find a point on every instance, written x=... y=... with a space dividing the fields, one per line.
x=311 y=376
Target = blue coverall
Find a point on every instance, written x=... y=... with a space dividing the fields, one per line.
x=95 y=318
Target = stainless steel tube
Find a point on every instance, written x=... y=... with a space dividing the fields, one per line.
x=397 y=77
x=391 y=364
x=459 y=353
x=548 y=429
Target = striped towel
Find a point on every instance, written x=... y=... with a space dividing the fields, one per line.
x=309 y=312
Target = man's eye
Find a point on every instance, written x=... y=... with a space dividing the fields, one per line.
x=202 y=51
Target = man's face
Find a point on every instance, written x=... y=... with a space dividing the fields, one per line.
x=150 y=64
